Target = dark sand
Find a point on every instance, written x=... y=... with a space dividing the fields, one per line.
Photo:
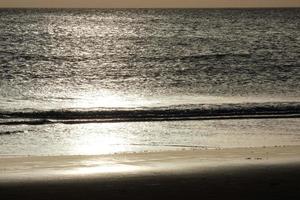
x=254 y=173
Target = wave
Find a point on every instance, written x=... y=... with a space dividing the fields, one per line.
x=197 y=57
x=43 y=57
x=10 y=132
x=177 y=112
x=71 y=58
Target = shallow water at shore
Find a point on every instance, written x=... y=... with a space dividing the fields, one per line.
x=110 y=138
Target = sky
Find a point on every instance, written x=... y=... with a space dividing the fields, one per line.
x=149 y=3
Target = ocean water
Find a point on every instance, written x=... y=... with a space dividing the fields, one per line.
x=101 y=81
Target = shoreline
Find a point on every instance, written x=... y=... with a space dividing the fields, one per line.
x=238 y=173
x=34 y=167
x=275 y=149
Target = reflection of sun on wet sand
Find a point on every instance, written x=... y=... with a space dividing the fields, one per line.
x=241 y=173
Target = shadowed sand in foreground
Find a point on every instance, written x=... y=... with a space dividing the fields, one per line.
x=241 y=173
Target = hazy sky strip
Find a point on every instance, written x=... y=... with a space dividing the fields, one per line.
x=149 y=3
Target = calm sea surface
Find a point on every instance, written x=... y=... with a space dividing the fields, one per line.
x=60 y=67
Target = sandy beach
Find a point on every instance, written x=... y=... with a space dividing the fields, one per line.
x=240 y=173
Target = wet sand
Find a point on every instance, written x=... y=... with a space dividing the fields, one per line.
x=240 y=173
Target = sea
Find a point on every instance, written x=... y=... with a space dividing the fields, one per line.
x=107 y=81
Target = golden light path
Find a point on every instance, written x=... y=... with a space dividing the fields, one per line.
x=103 y=99
x=109 y=99
x=91 y=141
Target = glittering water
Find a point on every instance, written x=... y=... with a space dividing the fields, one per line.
x=108 y=138
x=182 y=60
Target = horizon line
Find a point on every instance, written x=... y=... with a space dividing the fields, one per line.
x=250 y=7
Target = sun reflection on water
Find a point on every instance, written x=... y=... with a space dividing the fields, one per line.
x=106 y=99
x=95 y=139
x=99 y=139
x=112 y=99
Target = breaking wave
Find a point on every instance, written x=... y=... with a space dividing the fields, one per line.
x=178 y=112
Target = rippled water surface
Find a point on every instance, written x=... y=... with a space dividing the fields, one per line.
x=177 y=59
x=68 y=58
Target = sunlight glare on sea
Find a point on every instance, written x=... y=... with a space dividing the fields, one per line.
x=108 y=142
x=62 y=68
